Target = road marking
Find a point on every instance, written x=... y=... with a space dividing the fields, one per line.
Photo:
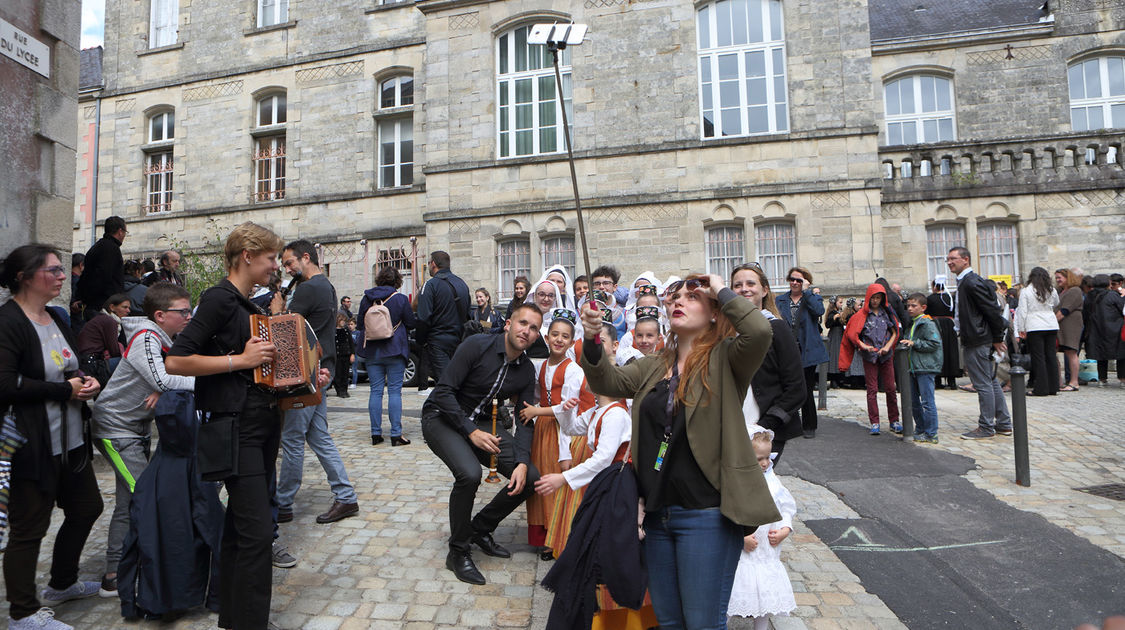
x=865 y=543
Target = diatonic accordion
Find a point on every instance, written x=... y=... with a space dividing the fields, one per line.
x=292 y=375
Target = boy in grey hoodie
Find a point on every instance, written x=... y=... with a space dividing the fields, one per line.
x=123 y=413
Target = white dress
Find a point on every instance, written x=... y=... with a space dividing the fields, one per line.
x=761 y=584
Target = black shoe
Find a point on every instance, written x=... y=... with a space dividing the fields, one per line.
x=546 y=554
x=284 y=515
x=461 y=564
x=810 y=434
x=376 y=440
x=489 y=546
x=399 y=440
x=343 y=394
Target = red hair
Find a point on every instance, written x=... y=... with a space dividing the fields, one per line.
x=698 y=360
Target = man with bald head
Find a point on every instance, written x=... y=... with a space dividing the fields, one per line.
x=169 y=270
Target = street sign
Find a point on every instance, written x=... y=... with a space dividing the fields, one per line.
x=25 y=49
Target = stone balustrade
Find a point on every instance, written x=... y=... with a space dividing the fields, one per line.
x=1083 y=161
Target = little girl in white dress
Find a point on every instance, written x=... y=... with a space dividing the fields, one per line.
x=761 y=584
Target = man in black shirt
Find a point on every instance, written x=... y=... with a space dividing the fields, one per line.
x=457 y=424
x=443 y=309
x=104 y=272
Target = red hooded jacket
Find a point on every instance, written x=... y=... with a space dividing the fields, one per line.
x=855 y=326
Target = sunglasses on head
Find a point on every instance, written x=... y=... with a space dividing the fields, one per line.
x=691 y=285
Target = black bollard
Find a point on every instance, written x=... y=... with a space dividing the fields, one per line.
x=905 y=408
x=822 y=386
x=1019 y=424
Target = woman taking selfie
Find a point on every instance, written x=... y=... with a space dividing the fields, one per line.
x=696 y=469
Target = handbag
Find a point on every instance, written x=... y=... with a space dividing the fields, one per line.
x=217 y=447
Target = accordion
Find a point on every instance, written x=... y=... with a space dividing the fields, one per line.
x=292 y=375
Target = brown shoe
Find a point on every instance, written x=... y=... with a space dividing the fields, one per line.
x=338 y=511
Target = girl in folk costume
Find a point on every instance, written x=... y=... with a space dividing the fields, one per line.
x=761 y=585
x=647 y=333
x=645 y=284
x=545 y=294
x=606 y=430
x=560 y=379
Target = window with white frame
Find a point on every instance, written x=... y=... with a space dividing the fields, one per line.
x=269 y=148
x=939 y=240
x=162 y=126
x=158 y=182
x=919 y=109
x=396 y=132
x=272 y=12
x=726 y=249
x=163 y=15
x=514 y=256
x=742 y=86
x=1097 y=94
x=998 y=244
x=559 y=250
x=776 y=245
x=529 y=116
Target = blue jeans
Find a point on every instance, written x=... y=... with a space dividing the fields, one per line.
x=355 y=369
x=692 y=556
x=922 y=402
x=311 y=424
x=388 y=371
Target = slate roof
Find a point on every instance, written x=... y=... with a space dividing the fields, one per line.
x=893 y=19
x=90 y=68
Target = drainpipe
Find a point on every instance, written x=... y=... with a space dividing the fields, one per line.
x=94 y=193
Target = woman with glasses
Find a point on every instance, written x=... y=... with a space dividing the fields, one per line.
x=697 y=474
x=42 y=393
x=803 y=308
x=778 y=388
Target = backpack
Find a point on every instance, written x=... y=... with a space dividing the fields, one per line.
x=377 y=323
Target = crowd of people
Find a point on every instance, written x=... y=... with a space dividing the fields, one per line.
x=692 y=386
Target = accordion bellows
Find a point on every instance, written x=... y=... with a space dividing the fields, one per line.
x=292 y=374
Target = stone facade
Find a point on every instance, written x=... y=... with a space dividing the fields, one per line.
x=651 y=186
x=37 y=132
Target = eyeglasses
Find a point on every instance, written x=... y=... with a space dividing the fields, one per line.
x=603 y=284
x=543 y=296
x=184 y=312
x=57 y=270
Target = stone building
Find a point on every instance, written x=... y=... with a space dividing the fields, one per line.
x=38 y=82
x=855 y=138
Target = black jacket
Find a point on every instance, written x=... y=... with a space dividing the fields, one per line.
x=104 y=273
x=443 y=308
x=1103 y=325
x=23 y=389
x=170 y=559
x=979 y=318
x=779 y=385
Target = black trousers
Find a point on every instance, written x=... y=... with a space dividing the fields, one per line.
x=1044 y=363
x=808 y=410
x=343 y=376
x=464 y=461
x=245 y=563
x=29 y=516
x=1103 y=370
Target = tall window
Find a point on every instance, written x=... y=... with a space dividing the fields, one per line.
x=157 y=168
x=162 y=127
x=776 y=244
x=998 y=244
x=396 y=132
x=515 y=260
x=271 y=12
x=529 y=115
x=162 y=18
x=559 y=250
x=939 y=240
x=726 y=248
x=742 y=84
x=1097 y=94
x=919 y=109
x=269 y=148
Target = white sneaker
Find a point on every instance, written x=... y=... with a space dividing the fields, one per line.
x=352 y=386
x=78 y=590
x=42 y=620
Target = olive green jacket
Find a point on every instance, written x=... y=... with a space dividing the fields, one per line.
x=716 y=431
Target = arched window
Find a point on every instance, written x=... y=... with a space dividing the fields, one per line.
x=919 y=109
x=776 y=244
x=742 y=83
x=269 y=147
x=396 y=131
x=529 y=116
x=157 y=167
x=1097 y=93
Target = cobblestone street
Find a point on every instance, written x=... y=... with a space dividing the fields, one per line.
x=385 y=568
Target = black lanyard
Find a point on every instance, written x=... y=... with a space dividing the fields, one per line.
x=669 y=417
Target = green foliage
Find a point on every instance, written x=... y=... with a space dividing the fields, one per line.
x=201 y=262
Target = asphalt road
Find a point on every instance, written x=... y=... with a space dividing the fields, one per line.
x=942 y=553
